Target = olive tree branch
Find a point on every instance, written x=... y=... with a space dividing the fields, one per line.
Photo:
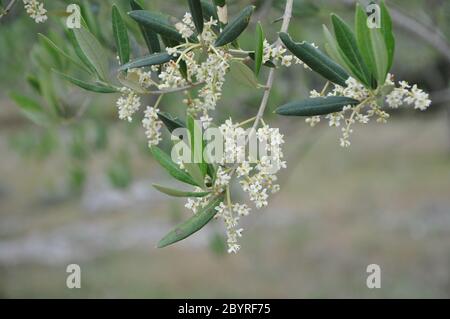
x=268 y=87
x=8 y=8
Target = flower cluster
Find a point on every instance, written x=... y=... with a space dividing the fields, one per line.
x=278 y=54
x=35 y=10
x=152 y=125
x=369 y=105
x=128 y=103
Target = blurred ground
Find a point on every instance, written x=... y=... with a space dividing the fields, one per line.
x=385 y=201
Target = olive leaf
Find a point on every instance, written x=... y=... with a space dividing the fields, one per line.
x=172 y=168
x=316 y=60
x=159 y=23
x=242 y=74
x=150 y=37
x=93 y=51
x=179 y=193
x=148 y=60
x=170 y=122
x=196 y=144
x=268 y=63
x=259 y=47
x=192 y=225
x=34 y=83
x=349 y=48
x=31 y=109
x=64 y=54
x=197 y=14
x=93 y=87
x=316 y=106
x=120 y=36
x=388 y=35
x=364 y=40
x=233 y=29
x=209 y=10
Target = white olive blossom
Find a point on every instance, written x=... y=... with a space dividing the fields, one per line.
x=35 y=10
x=152 y=126
x=128 y=104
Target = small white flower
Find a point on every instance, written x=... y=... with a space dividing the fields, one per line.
x=128 y=104
x=152 y=125
x=35 y=10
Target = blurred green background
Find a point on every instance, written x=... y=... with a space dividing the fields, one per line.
x=80 y=192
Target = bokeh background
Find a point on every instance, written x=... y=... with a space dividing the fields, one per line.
x=80 y=192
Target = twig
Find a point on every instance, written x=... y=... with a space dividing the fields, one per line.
x=8 y=8
x=428 y=34
x=183 y=88
x=268 y=87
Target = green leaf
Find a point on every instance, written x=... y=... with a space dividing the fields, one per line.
x=131 y=80
x=196 y=145
x=150 y=37
x=233 y=29
x=347 y=43
x=192 y=225
x=386 y=30
x=381 y=55
x=63 y=53
x=364 y=40
x=178 y=193
x=31 y=109
x=93 y=51
x=197 y=14
x=34 y=83
x=316 y=60
x=333 y=49
x=219 y=3
x=120 y=36
x=159 y=23
x=242 y=74
x=93 y=87
x=172 y=168
x=316 y=106
x=209 y=10
x=268 y=63
x=148 y=60
x=259 y=47
x=171 y=122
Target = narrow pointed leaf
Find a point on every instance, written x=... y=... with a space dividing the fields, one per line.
x=242 y=74
x=316 y=106
x=333 y=49
x=364 y=40
x=120 y=36
x=268 y=63
x=93 y=87
x=197 y=14
x=159 y=23
x=386 y=30
x=179 y=193
x=259 y=47
x=150 y=37
x=199 y=167
x=93 y=51
x=316 y=60
x=170 y=122
x=380 y=54
x=192 y=225
x=233 y=29
x=63 y=53
x=31 y=109
x=209 y=10
x=347 y=43
x=172 y=168
x=152 y=59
